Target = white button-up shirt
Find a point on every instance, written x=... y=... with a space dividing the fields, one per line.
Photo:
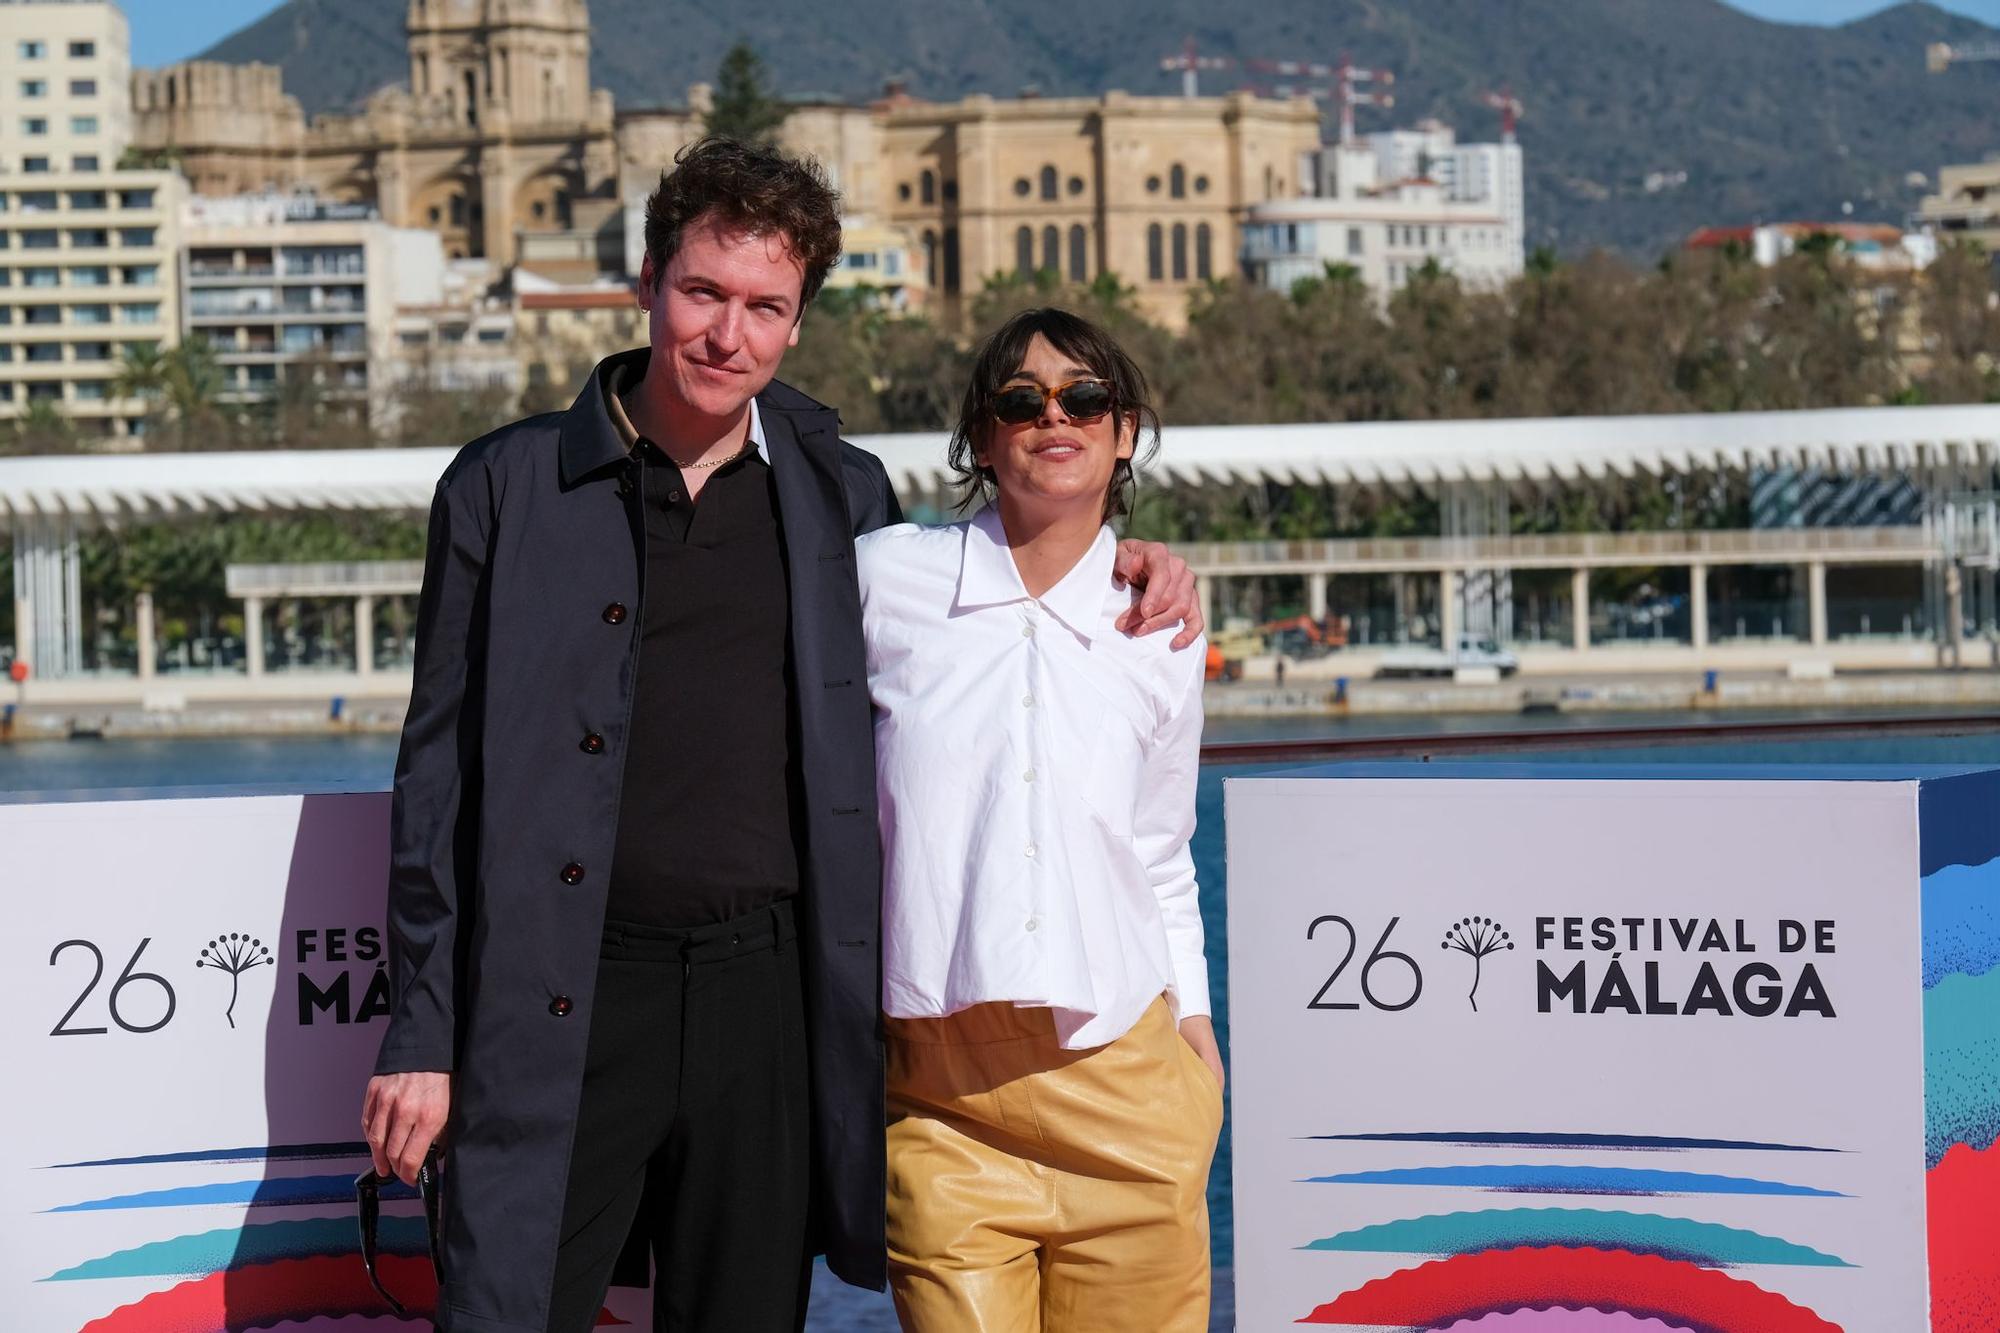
x=1036 y=776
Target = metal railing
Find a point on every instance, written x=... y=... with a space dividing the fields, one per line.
x=368 y=578
x=1567 y=549
x=1449 y=745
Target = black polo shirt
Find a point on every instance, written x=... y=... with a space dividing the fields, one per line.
x=708 y=818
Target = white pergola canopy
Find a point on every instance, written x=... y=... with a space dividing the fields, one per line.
x=1422 y=455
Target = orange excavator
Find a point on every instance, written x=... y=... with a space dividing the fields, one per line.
x=1293 y=636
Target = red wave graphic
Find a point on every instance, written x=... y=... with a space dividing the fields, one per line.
x=266 y=1295
x=1647 y=1285
x=1965 y=1239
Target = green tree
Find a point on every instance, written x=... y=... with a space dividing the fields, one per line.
x=745 y=108
x=44 y=428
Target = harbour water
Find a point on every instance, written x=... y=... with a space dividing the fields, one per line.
x=39 y=769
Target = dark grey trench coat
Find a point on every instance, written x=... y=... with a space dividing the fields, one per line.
x=527 y=641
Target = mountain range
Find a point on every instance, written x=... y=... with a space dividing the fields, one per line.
x=1644 y=118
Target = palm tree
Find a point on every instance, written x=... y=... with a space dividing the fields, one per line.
x=142 y=375
x=44 y=428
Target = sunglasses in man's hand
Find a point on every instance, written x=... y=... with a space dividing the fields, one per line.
x=368 y=1187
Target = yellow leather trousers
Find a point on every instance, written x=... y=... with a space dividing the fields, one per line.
x=1033 y=1188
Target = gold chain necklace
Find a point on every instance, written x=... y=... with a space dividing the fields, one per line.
x=716 y=462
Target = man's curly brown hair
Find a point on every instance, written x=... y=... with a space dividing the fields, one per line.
x=759 y=191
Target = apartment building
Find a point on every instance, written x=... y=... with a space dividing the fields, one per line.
x=284 y=285
x=86 y=250
x=1363 y=214
x=65 y=86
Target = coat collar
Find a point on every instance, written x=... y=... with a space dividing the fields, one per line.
x=987 y=576
x=591 y=438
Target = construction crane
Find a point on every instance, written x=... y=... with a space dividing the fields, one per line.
x=1189 y=63
x=1343 y=90
x=1941 y=56
x=1509 y=107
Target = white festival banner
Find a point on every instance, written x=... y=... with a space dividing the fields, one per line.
x=1513 y=1045
x=194 y=990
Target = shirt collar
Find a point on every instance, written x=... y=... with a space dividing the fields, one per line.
x=987 y=576
x=625 y=375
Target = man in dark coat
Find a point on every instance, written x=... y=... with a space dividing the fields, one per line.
x=635 y=881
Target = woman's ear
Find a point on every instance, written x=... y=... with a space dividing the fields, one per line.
x=1128 y=434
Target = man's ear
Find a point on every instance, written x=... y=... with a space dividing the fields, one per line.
x=649 y=281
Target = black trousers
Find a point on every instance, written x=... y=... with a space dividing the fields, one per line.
x=693 y=1129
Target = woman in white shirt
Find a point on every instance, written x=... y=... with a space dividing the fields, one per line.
x=1055 y=1091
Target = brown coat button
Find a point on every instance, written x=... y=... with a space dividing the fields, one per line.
x=572 y=873
x=593 y=743
x=614 y=614
x=560 y=1006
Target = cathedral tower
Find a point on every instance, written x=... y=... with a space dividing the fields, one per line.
x=528 y=60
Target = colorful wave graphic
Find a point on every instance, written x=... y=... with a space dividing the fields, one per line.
x=1961 y=921
x=278 y=1192
x=1631 y=1181
x=1961 y=1063
x=266 y=1295
x=1708 y=1244
x=1961 y=927
x=1542 y=1139
x=1964 y=1226
x=1963 y=1093
x=273 y=1152
x=261 y=1243
x=1469 y=1286
x=1559 y=1320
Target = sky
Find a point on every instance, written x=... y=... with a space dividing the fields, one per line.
x=164 y=31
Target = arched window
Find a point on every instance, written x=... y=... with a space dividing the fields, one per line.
x=1048 y=182
x=1024 y=251
x=931 y=259
x=1204 y=265
x=1180 y=252
x=1079 y=254
x=1052 y=249
x=927 y=186
x=472 y=99
x=951 y=277
x=1156 y=268
x=1177 y=181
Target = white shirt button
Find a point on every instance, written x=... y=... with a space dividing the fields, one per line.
x=1027 y=631
x=1029 y=849
x=1031 y=923
x=1027 y=775
x=1027 y=701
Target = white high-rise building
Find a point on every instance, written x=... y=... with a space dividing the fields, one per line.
x=1468 y=173
x=1391 y=203
x=87 y=252
x=65 y=86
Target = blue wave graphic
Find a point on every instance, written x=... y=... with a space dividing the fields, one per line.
x=1961 y=907
x=251 y=1193
x=1625 y=1142
x=1632 y=1181
x=277 y=1152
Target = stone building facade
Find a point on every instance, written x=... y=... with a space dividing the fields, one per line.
x=497 y=132
x=498 y=144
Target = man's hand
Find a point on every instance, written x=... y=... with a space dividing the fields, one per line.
x=401 y=1117
x=1199 y=1033
x=1166 y=588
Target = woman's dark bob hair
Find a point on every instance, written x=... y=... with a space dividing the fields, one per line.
x=1001 y=355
